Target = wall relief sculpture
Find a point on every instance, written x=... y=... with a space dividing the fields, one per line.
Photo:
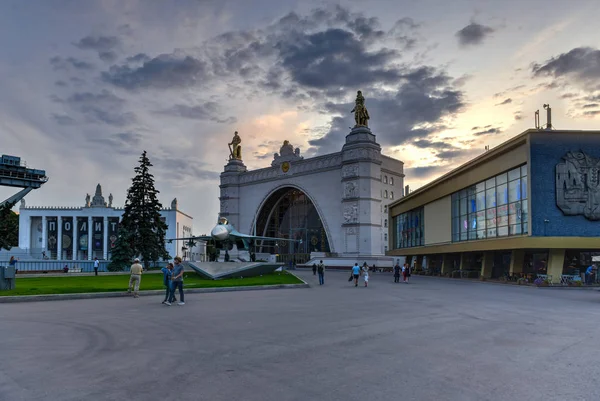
x=350 y=189
x=351 y=213
x=224 y=206
x=578 y=185
x=350 y=171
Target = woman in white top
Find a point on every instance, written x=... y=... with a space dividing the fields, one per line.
x=365 y=270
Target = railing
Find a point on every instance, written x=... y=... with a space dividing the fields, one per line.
x=84 y=266
x=297 y=258
x=23 y=175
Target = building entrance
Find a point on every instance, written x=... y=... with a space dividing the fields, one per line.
x=289 y=213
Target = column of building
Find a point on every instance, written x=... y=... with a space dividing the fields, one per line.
x=90 y=231
x=75 y=239
x=29 y=230
x=59 y=238
x=105 y=242
x=44 y=233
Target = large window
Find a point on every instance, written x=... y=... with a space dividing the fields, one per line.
x=409 y=229
x=289 y=213
x=496 y=207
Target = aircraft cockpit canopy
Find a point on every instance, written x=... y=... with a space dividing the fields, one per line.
x=223 y=220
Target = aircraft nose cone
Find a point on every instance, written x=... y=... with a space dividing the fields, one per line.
x=219 y=232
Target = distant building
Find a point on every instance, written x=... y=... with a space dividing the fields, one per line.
x=82 y=233
x=529 y=208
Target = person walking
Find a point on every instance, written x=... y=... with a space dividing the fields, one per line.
x=315 y=268
x=321 y=270
x=167 y=271
x=96 y=265
x=13 y=262
x=365 y=272
x=356 y=274
x=135 y=278
x=176 y=282
x=397 y=273
x=405 y=272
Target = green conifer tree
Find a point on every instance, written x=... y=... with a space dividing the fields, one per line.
x=142 y=219
x=122 y=254
x=9 y=227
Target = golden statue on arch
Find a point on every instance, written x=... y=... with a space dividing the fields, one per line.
x=361 y=115
x=235 y=149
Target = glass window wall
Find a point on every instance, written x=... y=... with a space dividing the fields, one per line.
x=409 y=229
x=496 y=207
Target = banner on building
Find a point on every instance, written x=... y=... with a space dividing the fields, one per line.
x=52 y=234
x=83 y=234
x=98 y=234
x=113 y=229
x=67 y=234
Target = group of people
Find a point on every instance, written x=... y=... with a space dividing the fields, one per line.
x=357 y=271
x=404 y=270
x=363 y=272
x=172 y=280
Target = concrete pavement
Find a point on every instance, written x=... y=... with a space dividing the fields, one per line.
x=432 y=339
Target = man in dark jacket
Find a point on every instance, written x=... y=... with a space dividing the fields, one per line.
x=397 y=273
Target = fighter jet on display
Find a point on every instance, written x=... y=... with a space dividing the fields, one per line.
x=224 y=236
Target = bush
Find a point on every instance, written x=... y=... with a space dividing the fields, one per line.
x=456 y=274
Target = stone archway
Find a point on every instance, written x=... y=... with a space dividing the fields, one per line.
x=288 y=212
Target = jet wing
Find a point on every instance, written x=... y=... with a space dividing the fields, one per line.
x=236 y=234
x=200 y=238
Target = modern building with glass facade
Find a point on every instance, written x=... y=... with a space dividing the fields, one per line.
x=529 y=208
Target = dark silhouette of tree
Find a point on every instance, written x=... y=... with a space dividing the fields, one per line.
x=9 y=227
x=122 y=253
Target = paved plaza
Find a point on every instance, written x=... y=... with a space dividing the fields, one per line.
x=433 y=339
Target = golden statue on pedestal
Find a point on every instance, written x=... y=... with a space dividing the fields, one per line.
x=235 y=149
x=361 y=115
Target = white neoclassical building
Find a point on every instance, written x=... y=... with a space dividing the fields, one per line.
x=82 y=233
x=336 y=203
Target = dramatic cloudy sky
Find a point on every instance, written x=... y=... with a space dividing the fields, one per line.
x=87 y=85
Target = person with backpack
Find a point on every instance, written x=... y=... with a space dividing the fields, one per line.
x=321 y=270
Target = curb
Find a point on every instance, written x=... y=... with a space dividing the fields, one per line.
x=93 y=295
x=477 y=281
